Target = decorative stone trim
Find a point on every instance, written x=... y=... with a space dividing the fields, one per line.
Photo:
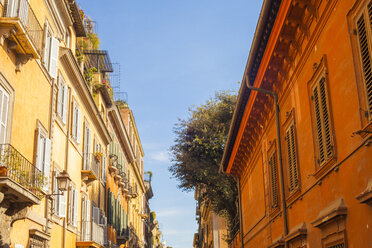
x=40 y=234
x=277 y=243
x=334 y=210
x=297 y=232
x=366 y=195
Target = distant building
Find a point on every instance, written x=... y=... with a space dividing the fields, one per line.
x=212 y=228
x=305 y=174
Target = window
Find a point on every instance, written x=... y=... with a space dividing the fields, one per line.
x=273 y=166
x=292 y=158
x=87 y=137
x=324 y=143
x=67 y=38
x=363 y=27
x=36 y=242
x=43 y=155
x=62 y=99
x=86 y=218
x=73 y=206
x=340 y=245
x=104 y=167
x=4 y=104
x=51 y=50
x=76 y=122
x=59 y=203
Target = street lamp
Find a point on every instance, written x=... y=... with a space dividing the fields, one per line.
x=63 y=181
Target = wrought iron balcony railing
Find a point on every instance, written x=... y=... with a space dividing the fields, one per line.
x=20 y=10
x=16 y=167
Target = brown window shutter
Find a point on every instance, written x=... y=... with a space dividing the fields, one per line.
x=274 y=180
x=322 y=118
x=292 y=158
x=363 y=24
x=340 y=245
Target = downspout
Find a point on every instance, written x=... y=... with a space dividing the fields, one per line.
x=66 y=158
x=50 y=137
x=278 y=141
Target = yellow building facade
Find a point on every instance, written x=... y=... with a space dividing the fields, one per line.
x=56 y=124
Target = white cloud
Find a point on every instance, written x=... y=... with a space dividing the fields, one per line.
x=160 y=156
x=169 y=212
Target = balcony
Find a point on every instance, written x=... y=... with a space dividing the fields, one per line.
x=123 y=236
x=91 y=165
x=20 y=180
x=92 y=235
x=23 y=32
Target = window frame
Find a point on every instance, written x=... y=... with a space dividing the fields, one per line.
x=288 y=123
x=273 y=152
x=76 y=122
x=62 y=99
x=320 y=73
x=7 y=88
x=352 y=17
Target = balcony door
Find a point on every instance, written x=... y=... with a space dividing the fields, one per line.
x=18 y=8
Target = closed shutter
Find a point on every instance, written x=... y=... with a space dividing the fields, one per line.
x=96 y=215
x=365 y=43
x=322 y=118
x=47 y=37
x=75 y=216
x=23 y=11
x=70 y=205
x=62 y=205
x=60 y=96
x=47 y=157
x=292 y=158
x=274 y=180
x=86 y=161
x=11 y=9
x=73 y=128
x=104 y=167
x=4 y=102
x=55 y=191
x=40 y=150
x=78 y=126
x=88 y=220
x=53 y=63
x=64 y=104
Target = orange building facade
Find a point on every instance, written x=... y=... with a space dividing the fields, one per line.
x=305 y=169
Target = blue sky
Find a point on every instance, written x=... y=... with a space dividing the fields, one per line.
x=173 y=54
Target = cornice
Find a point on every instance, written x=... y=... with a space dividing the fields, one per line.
x=118 y=122
x=114 y=113
x=68 y=60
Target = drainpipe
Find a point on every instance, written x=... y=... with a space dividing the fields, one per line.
x=50 y=137
x=275 y=96
x=66 y=157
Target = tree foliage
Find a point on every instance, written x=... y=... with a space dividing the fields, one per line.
x=198 y=150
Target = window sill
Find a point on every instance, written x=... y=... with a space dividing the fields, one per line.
x=325 y=167
x=292 y=196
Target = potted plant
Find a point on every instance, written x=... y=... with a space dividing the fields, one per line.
x=98 y=156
